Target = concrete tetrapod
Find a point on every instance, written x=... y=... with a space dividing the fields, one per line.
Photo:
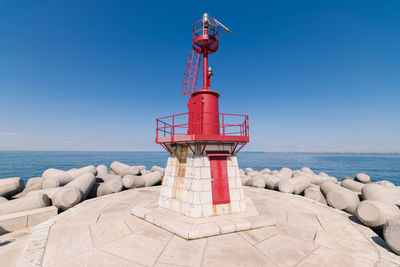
x=88 y=169
x=294 y=185
x=105 y=176
x=55 y=178
x=363 y=178
x=307 y=170
x=133 y=181
x=101 y=169
x=25 y=203
x=352 y=185
x=50 y=192
x=328 y=186
x=386 y=184
x=391 y=234
x=285 y=173
x=380 y=193
x=11 y=186
x=152 y=178
x=3 y=199
x=314 y=193
x=74 y=192
x=123 y=169
x=157 y=168
x=343 y=199
x=376 y=214
x=109 y=186
x=272 y=181
x=32 y=182
x=256 y=181
x=248 y=170
x=244 y=178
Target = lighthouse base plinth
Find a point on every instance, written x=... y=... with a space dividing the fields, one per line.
x=202 y=180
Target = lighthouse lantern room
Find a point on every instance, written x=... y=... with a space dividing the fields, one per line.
x=202 y=174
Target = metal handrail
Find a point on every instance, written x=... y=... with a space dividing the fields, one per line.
x=171 y=129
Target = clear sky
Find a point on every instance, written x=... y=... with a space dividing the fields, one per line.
x=94 y=75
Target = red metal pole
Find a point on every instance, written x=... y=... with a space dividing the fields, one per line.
x=205 y=71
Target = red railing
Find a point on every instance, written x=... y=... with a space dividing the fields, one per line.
x=232 y=127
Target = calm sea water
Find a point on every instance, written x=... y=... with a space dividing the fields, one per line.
x=26 y=164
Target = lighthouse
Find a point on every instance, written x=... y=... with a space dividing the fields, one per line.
x=202 y=174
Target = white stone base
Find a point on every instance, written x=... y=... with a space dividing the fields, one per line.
x=194 y=228
x=187 y=187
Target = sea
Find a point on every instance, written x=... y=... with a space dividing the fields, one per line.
x=27 y=164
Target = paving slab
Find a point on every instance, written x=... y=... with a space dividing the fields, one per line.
x=102 y=232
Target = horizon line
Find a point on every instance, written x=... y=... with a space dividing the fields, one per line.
x=265 y=152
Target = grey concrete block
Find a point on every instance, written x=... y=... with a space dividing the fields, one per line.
x=294 y=185
x=363 y=178
x=343 y=199
x=380 y=193
x=285 y=173
x=74 y=192
x=152 y=178
x=272 y=181
x=256 y=181
x=307 y=170
x=352 y=185
x=376 y=214
x=101 y=169
x=391 y=233
x=11 y=186
x=133 y=181
x=88 y=169
x=314 y=193
x=109 y=187
x=124 y=169
x=55 y=178
x=386 y=183
x=33 y=182
x=25 y=203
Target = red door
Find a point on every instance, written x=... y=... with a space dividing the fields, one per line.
x=219 y=182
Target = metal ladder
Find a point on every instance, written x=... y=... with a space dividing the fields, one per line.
x=191 y=73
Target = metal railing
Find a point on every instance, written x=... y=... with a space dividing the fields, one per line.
x=179 y=124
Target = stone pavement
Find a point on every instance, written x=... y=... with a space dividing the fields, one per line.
x=102 y=232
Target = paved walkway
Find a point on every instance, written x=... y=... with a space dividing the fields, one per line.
x=102 y=232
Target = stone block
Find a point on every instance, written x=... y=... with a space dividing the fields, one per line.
x=231 y=172
x=234 y=161
x=197 y=173
x=187 y=196
x=189 y=162
x=196 y=198
x=197 y=185
x=196 y=211
x=207 y=209
x=13 y=221
x=242 y=205
x=206 y=161
x=205 y=172
x=234 y=194
x=203 y=230
x=241 y=224
x=222 y=209
x=206 y=184
x=205 y=197
x=235 y=206
x=198 y=161
x=40 y=215
x=189 y=172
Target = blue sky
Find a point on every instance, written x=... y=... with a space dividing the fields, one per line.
x=94 y=75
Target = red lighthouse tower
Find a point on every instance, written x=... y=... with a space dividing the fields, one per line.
x=202 y=174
